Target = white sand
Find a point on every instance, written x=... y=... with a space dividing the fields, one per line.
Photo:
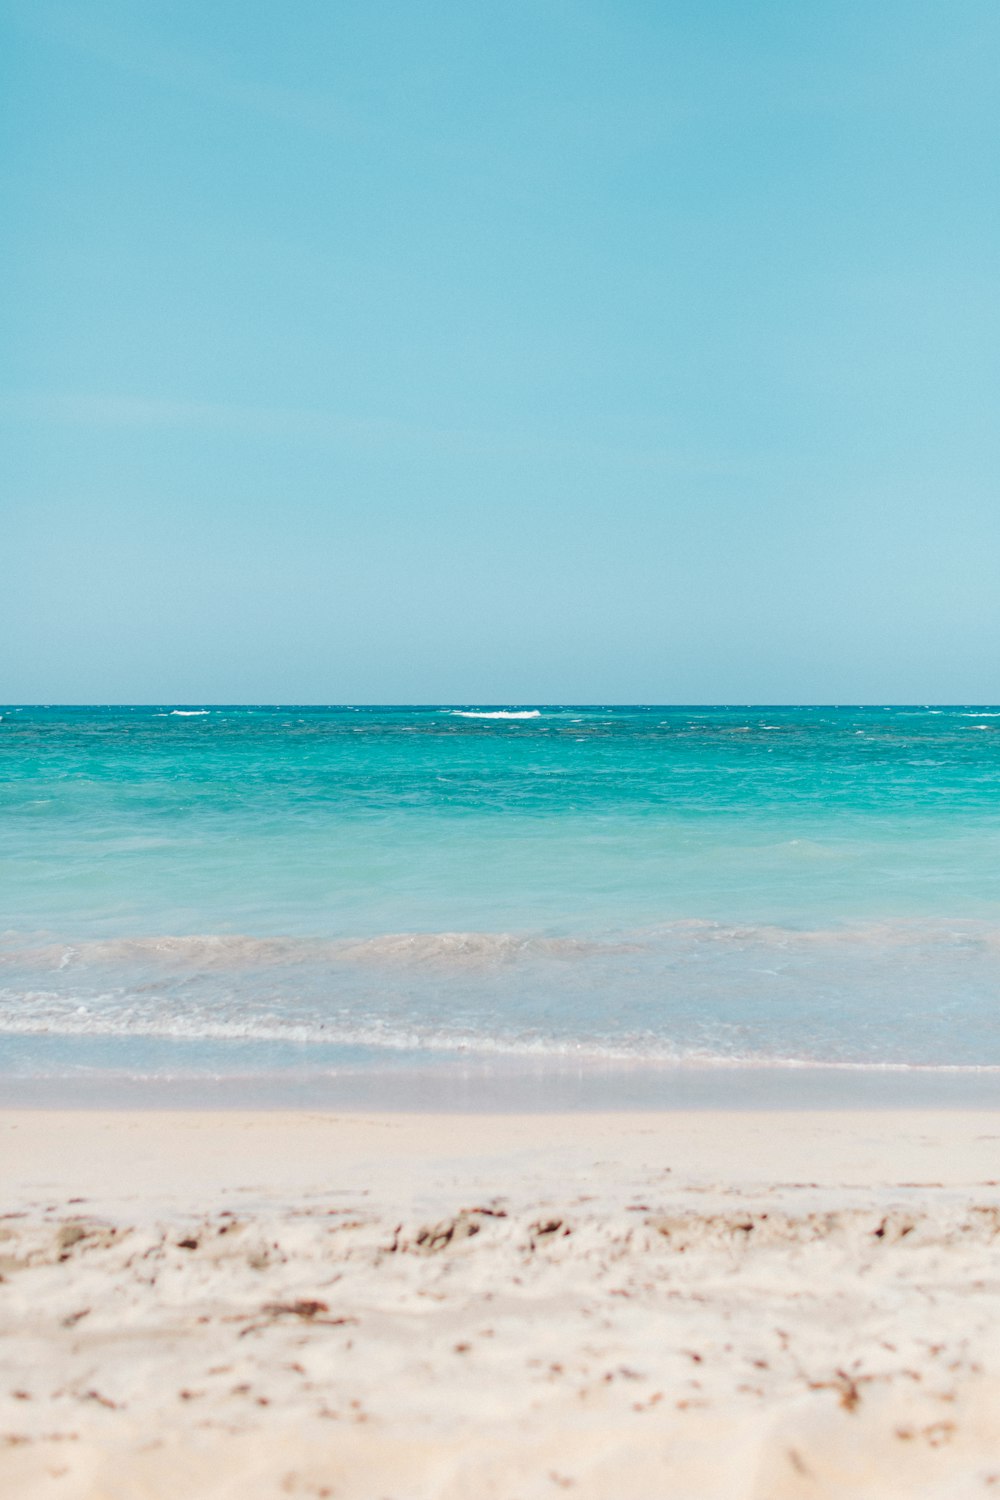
x=747 y=1306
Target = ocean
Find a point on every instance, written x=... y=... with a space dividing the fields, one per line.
x=316 y=904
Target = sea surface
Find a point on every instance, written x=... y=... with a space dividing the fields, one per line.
x=320 y=895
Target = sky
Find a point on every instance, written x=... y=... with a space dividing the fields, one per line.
x=545 y=351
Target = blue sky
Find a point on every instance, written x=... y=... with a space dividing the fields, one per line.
x=596 y=351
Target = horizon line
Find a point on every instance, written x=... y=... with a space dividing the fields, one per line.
x=439 y=706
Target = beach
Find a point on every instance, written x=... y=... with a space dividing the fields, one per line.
x=704 y=1303
x=500 y=752
x=417 y=1103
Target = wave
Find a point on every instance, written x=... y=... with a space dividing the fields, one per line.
x=636 y=1052
x=188 y=713
x=892 y=995
x=497 y=713
x=690 y=936
x=237 y=951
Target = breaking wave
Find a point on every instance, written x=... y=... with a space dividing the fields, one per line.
x=54 y=1019
x=894 y=995
x=497 y=713
x=234 y=951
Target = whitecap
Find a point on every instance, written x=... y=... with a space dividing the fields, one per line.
x=189 y=713
x=497 y=713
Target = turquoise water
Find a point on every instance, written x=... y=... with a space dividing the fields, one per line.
x=232 y=891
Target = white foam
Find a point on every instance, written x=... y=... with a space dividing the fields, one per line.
x=636 y=1051
x=189 y=713
x=497 y=713
x=493 y=994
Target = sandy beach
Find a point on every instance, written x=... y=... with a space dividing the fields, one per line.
x=704 y=1304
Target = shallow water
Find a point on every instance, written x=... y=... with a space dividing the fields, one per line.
x=235 y=892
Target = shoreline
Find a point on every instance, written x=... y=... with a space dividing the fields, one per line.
x=463 y=1087
x=709 y=1303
